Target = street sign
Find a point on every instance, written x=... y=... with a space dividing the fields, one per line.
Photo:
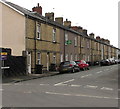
x=3 y=56
x=68 y=42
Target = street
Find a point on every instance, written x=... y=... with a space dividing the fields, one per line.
x=97 y=87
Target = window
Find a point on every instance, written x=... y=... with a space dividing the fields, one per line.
x=66 y=38
x=66 y=57
x=61 y=58
x=88 y=45
x=54 y=35
x=88 y=58
x=82 y=42
x=98 y=46
x=54 y=59
x=75 y=41
x=76 y=57
x=71 y=57
x=38 y=58
x=38 y=31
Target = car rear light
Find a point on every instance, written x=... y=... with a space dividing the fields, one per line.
x=71 y=65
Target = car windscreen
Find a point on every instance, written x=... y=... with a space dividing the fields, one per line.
x=64 y=63
x=78 y=62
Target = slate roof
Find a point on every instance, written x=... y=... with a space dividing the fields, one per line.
x=35 y=15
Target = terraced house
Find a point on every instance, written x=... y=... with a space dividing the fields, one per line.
x=45 y=41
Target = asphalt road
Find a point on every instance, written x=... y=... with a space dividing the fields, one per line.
x=97 y=87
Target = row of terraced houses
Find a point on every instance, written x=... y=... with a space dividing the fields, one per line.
x=45 y=40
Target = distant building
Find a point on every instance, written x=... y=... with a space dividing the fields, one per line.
x=45 y=40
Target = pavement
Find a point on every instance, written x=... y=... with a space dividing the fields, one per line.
x=27 y=77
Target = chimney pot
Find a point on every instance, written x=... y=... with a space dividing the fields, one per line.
x=37 y=9
x=59 y=20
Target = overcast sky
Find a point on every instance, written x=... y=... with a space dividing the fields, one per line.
x=97 y=16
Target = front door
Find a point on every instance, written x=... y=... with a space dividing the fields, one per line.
x=47 y=62
x=29 y=62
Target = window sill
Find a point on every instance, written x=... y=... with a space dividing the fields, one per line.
x=54 y=42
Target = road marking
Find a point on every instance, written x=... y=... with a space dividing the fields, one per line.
x=73 y=85
x=86 y=75
x=106 y=69
x=18 y=83
x=106 y=88
x=6 y=84
x=63 y=82
x=44 y=84
x=81 y=95
x=27 y=92
x=99 y=72
x=1 y=89
x=89 y=86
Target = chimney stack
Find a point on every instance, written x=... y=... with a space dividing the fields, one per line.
x=85 y=32
x=107 y=41
x=77 y=28
x=50 y=16
x=98 y=38
x=67 y=23
x=37 y=9
x=92 y=35
x=59 y=20
x=103 y=40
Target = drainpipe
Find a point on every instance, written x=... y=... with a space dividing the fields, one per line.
x=35 y=43
x=80 y=46
x=64 y=45
x=26 y=38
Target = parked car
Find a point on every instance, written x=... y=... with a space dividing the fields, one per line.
x=105 y=62
x=118 y=61
x=68 y=66
x=82 y=64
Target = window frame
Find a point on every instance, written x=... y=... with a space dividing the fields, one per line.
x=38 y=58
x=38 y=31
x=54 y=35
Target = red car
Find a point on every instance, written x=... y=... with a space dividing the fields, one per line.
x=82 y=64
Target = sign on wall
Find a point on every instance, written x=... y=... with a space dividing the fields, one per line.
x=3 y=56
x=68 y=42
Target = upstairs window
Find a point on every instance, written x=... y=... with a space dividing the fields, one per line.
x=75 y=41
x=88 y=44
x=38 y=31
x=82 y=42
x=66 y=38
x=54 y=35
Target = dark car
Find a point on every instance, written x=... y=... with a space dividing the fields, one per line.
x=105 y=62
x=68 y=66
x=83 y=64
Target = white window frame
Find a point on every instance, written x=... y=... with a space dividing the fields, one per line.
x=75 y=40
x=66 y=57
x=71 y=57
x=54 y=35
x=38 y=58
x=54 y=58
x=76 y=57
x=88 y=44
x=38 y=31
x=61 y=58
x=66 y=38
x=82 y=42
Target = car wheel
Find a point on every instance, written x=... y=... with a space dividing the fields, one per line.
x=60 y=72
x=83 y=69
x=88 y=68
x=73 y=70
